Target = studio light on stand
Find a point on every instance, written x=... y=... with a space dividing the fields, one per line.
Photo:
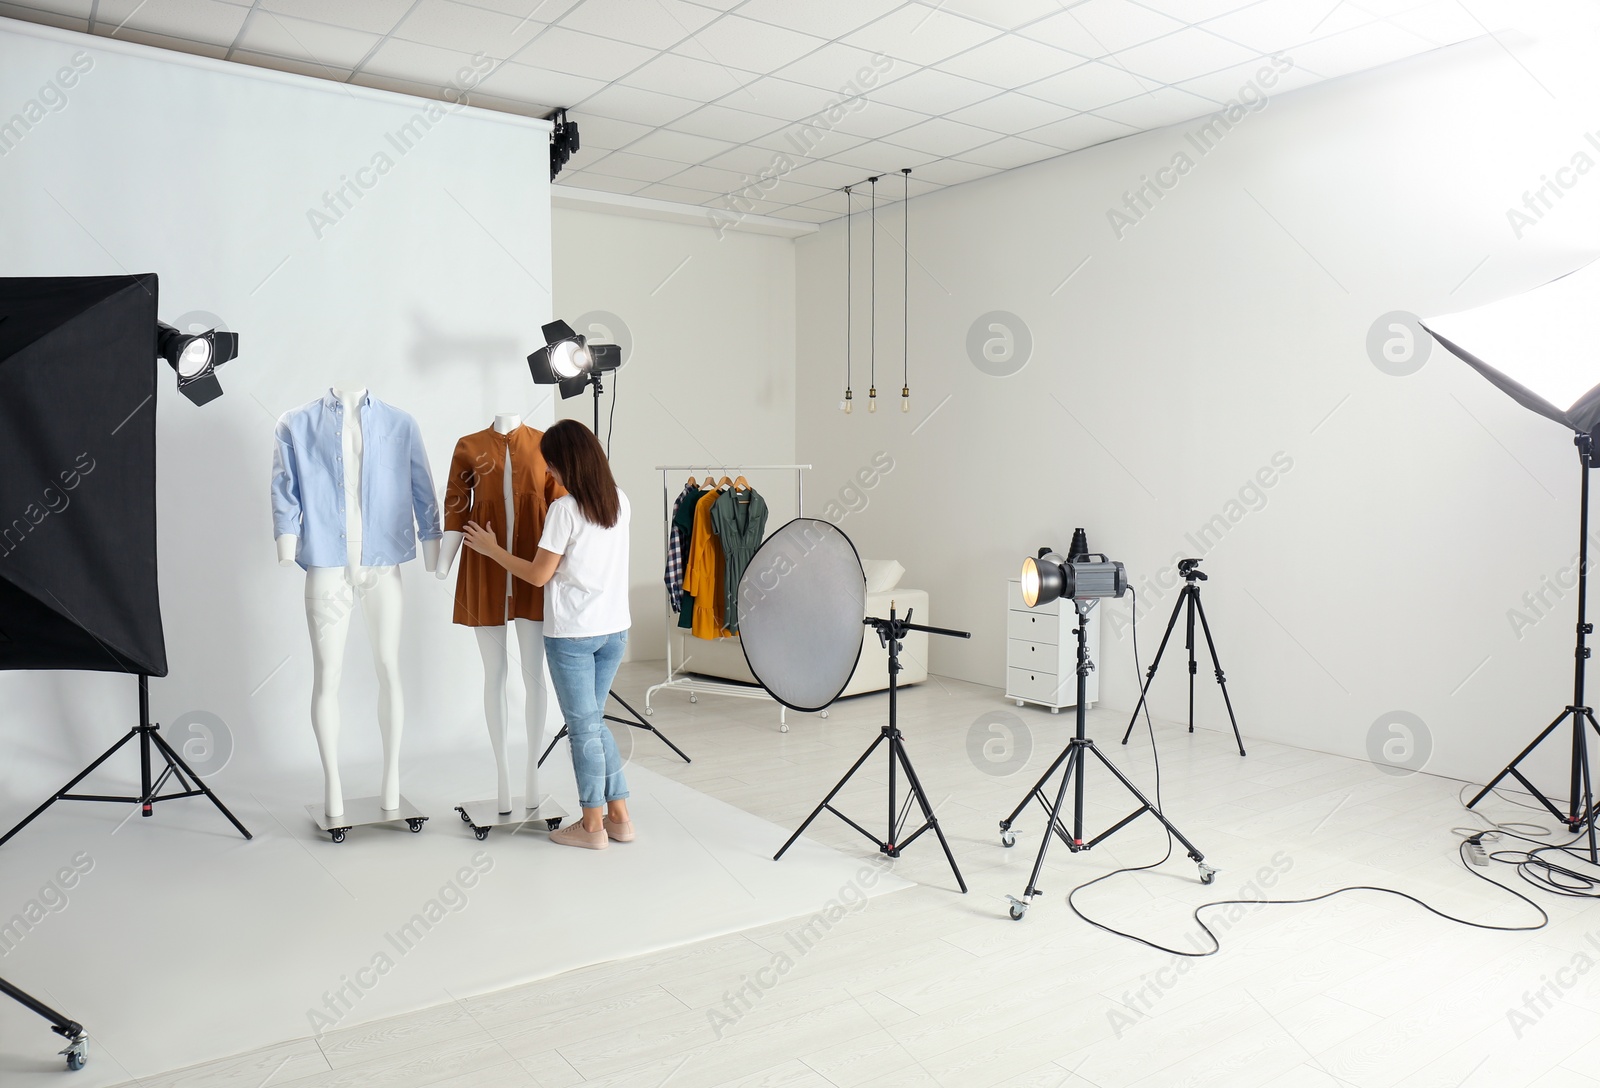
x=195 y=357
x=1539 y=349
x=1084 y=580
x=569 y=362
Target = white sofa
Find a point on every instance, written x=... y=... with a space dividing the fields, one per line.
x=723 y=658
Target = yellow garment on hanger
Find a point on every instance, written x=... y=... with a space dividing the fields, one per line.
x=703 y=574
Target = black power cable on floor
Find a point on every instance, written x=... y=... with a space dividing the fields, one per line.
x=1531 y=868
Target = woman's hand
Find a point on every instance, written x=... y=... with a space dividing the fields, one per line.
x=482 y=540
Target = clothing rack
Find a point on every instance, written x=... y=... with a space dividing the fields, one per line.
x=695 y=685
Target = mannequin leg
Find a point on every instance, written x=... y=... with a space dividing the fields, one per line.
x=492 y=647
x=530 y=640
x=381 y=603
x=329 y=602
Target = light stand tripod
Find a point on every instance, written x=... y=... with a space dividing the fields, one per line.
x=149 y=791
x=1580 y=806
x=891 y=632
x=634 y=719
x=77 y=1051
x=1073 y=758
x=1188 y=602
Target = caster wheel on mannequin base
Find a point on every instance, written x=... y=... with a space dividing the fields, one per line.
x=363 y=812
x=483 y=816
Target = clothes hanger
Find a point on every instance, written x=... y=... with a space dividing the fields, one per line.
x=710 y=482
x=724 y=482
x=741 y=484
x=692 y=481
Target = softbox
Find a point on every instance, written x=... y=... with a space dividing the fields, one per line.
x=78 y=491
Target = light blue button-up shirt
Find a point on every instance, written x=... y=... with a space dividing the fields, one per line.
x=308 y=492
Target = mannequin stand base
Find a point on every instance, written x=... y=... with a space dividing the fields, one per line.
x=364 y=811
x=484 y=816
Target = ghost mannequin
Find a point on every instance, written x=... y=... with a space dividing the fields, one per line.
x=333 y=592
x=494 y=644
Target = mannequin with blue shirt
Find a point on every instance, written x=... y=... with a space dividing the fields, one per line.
x=352 y=492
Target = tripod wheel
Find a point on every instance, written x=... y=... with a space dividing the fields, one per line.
x=1018 y=908
x=1208 y=875
x=1007 y=839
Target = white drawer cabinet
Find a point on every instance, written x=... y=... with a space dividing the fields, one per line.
x=1041 y=652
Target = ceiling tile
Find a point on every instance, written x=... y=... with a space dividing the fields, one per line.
x=518 y=106
x=607 y=132
x=1193 y=11
x=621 y=164
x=1357 y=50
x=193 y=20
x=513 y=80
x=563 y=50
x=75 y=9
x=1188 y=53
x=877 y=156
x=709 y=178
x=421 y=63
x=288 y=36
x=1011 y=113
x=398 y=84
x=632 y=104
x=679 y=147
x=781 y=99
x=686 y=77
x=1263 y=75
x=828 y=175
x=289 y=64
x=604 y=183
x=534 y=11
x=748 y=160
x=929 y=90
x=747 y=44
x=1089 y=86
x=876 y=119
x=722 y=122
x=1004 y=14
x=1273 y=25
x=162 y=41
x=941 y=137
x=675 y=193
x=452 y=25
x=1095 y=28
x=1162 y=106
x=1011 y=61
x=804 y=215
x=921 y=35
x=64 y=14
x=804 y=141
x=842 y=69
x=1009 y=152
x=1083 y=130
x=824 y=18
x=375 y=16
x=655 y=24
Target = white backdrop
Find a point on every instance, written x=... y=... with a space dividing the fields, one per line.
x=428 y=285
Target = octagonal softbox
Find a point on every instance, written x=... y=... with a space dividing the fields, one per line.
x=78 y=490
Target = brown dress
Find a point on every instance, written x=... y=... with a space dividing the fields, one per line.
x=476 y=492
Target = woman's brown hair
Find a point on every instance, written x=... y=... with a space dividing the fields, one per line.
x=572 y=450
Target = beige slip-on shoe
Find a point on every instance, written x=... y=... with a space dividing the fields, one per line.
x=574 y=835
x=621 y=832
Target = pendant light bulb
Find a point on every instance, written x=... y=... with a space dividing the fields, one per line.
x=905 y=398
x=872 y=399
x=845 y=404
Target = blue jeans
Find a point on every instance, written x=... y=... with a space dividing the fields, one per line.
x=582 y=670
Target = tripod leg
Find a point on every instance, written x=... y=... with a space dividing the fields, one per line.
x=87 y=771
x=1194 y=854
x=1511 y=769
x=1217 y=665
x=1036 y=791
x=873 y=747
x=175 y=760
x=639 y=723
x=898 y=752
x=553 y=742
x=1150 y=673
x=1019 y=907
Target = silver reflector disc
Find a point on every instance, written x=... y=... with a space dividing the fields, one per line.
x=802 y=603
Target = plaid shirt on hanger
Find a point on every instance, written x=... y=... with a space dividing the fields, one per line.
x=678 y=552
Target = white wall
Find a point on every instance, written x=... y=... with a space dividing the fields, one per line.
x=1226 y=328
x=429 y=289
x=710 y=375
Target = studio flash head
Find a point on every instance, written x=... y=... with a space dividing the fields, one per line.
x=1048 y=577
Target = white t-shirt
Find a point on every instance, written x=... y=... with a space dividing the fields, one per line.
x=588 y=594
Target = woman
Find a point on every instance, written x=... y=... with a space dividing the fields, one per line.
x=583 y=563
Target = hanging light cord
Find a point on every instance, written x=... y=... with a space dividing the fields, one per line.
x=849 y=292
x=905 y=283
x=872 y=356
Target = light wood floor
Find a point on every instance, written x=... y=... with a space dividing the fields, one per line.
x=931 y=987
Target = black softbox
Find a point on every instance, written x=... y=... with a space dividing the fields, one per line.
x=78 y=475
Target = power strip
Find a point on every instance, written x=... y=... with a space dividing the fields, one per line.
x=1476 y=853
